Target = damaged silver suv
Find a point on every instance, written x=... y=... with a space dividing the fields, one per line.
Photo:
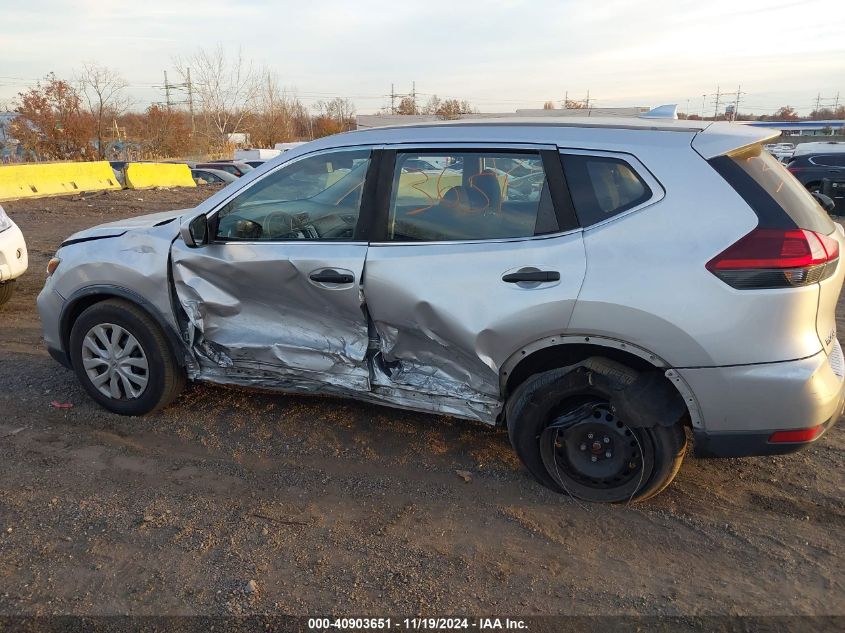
x=597 y=287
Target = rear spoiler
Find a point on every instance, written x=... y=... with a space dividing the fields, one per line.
x=723 y=137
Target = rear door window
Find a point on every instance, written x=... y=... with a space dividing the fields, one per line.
x=829 y=160
x=469 y=195
x=602 y=186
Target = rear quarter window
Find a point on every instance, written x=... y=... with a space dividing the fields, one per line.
x=602 y=186
x=774 y=193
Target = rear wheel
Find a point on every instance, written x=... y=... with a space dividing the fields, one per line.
x=565 y=433
x=122 y=359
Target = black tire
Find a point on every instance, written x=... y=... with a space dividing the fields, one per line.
x=7 y=289
x=165 y=379
x=544 y=397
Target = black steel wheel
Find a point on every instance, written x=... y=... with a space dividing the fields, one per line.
x=561 y=426
x=591 y=453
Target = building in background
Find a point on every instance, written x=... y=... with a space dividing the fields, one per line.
x=830 y=127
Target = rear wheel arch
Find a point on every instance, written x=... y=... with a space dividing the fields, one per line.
x=561 y=351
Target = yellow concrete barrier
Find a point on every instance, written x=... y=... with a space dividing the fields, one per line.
x=55 y=179
x=145 y=175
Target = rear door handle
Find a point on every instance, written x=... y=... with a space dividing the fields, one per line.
x=331 y=277
x=533 y=275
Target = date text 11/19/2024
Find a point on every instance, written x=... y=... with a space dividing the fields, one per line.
x=416 y=624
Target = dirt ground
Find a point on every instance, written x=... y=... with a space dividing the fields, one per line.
x=331 y=506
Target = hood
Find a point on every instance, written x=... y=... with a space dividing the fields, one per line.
x=119 y=227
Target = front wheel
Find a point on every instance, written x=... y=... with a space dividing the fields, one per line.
x=6 y=291
x=564 y=431
x=122 y=359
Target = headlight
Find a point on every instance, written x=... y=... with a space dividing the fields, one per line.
x=52 y=265
x=5 y=221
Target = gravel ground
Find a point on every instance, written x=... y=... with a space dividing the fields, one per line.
x=233 y=502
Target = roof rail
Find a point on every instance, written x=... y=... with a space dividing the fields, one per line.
x=668 y=111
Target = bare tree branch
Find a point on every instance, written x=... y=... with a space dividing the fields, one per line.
x=104 y=91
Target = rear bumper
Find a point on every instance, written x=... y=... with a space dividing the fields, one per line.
x=742 y=406
x=749 y=444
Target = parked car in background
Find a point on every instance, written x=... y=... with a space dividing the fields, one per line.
x=822 y=171
x=819 y=147
x=213 y=176
x=13 y=256
x=286 y=147
x=255 y=163
x=249 y=155
x=782 y=151
x=236 y=168
x=598 y=311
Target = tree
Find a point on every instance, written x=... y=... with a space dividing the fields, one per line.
x=278 y=116
x=52 y=123
x=786 y=113
x=454 y=109
x=104 y=92
x=407 y=106
x=340 y=110
x=337 y=115
x=569 y=104
x=160 y=131
x=225 y=88
x=549 y=105
x=822 y=114
x=432 y=105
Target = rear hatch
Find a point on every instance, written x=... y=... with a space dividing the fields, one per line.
x=806 y=242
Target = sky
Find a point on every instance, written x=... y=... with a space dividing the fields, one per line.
x=499 y=55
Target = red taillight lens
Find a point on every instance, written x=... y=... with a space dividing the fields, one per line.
x=776 y=258
x=793 y=170
x=800 y=435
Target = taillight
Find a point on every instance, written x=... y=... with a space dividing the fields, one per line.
x=776 y=258
x=793 y=170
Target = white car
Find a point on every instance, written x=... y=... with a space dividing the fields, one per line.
x=782 y=151
x=13 y=257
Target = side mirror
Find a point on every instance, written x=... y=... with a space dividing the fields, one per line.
x=826 y=202
x=195 y=231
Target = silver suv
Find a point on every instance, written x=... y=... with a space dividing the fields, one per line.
x=598 y=287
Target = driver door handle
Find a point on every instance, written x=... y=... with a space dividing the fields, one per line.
x=533 y=275
x=331 y=277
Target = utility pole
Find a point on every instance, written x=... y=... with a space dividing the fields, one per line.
x=166 y=90
x=736 y=102
x=565 y=99
x=818 y=101
x=410 y=95
x=191 y=100
x=587 y=100
x=836 y=103
x=703 y=103
x=718 y=96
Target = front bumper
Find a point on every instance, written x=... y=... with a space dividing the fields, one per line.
x=50 y=305
x=14 y=259
x=742 y=406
